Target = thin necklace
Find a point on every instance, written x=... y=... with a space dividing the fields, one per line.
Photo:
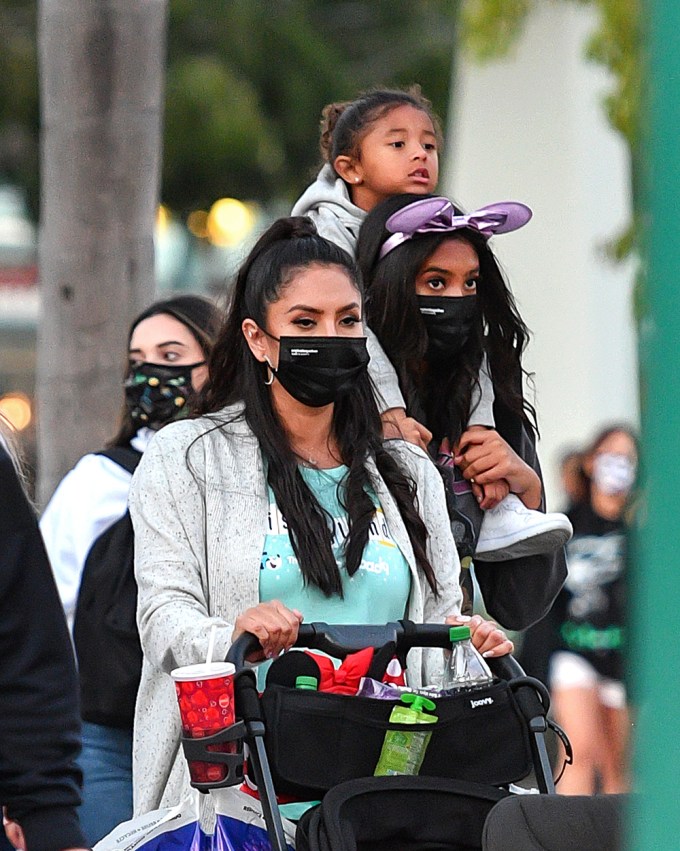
x=307 y=461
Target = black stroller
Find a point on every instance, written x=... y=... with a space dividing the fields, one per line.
x=323 y=746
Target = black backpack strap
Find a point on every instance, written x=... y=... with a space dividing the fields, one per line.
x=125 y=456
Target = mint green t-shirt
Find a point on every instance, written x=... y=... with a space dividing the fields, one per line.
x=377 y=593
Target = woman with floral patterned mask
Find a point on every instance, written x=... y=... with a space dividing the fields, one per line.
x=88 y=536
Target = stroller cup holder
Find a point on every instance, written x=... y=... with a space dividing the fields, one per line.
x=198 y=750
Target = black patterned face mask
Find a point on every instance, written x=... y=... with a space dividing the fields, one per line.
x=156 y=394
x=449 y=321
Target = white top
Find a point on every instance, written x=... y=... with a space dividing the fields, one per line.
x=88 y=501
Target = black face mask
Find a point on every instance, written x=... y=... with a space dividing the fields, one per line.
x=156 y=394
x=318 y=370
x=449 y=321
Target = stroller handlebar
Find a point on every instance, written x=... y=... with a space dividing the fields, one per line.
x=339 y=640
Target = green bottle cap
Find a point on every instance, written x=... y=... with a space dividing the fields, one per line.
x=310 y=683
x=418 y=701
x=459 y=633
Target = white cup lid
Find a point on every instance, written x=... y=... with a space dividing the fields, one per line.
x=203 y=671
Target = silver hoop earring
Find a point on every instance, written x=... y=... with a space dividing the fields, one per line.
x=270 y=369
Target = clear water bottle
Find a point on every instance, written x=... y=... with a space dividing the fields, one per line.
x=465 y=667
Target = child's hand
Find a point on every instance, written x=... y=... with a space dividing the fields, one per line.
x=485 y=457
x=397 y=425
x=487 y=636
x=491 y=494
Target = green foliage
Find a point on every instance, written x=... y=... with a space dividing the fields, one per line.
x=618 y=46
x=283 y=62
x=246 y=83
x=489 y=28
x=19 y=115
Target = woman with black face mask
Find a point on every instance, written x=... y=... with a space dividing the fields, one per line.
x=282 y=501
x=88 y=536
x=439 y=306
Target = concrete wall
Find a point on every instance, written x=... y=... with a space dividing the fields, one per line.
x=532 y=128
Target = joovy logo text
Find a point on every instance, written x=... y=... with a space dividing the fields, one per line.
x=484 y=701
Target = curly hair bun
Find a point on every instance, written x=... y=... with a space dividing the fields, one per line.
x=329 y=118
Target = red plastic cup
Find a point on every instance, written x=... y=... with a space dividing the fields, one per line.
x=205 y=694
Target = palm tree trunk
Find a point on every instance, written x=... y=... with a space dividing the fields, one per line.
x=101 y=82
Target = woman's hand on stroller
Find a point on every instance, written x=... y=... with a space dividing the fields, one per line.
x=486 y=636
x=275 y=625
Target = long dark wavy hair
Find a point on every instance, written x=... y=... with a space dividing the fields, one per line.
x=199 y=315
x=289 y=246
x=441 y=394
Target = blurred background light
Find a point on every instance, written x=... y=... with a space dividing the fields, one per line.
x=197 y=222
x=163 y=218
x=229 y=221
x=16 y=408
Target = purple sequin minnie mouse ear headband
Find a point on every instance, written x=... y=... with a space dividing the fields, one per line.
x=436 y=215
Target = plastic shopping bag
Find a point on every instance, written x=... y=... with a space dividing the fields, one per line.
x=168 y=829
x=239 y=826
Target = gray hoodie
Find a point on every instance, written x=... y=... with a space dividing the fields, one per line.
x=327 y=203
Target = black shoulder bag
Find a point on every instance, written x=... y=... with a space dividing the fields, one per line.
x=105 y=626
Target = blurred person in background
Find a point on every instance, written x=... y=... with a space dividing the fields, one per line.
x=587 y=672
x=539 y=642
x=40 y=734
x=572 y=478
x=89 y=538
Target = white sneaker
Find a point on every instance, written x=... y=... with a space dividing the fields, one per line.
x=511 y=530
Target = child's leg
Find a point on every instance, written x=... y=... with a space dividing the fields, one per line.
x=511 y=530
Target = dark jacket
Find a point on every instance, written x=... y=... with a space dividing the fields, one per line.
x=40 y=729
x=519 y=592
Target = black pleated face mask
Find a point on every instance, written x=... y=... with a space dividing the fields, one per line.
x=318 y=370
x=449 y=321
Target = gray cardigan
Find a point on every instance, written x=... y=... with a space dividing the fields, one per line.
x=199 y=506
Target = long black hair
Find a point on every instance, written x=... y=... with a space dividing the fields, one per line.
x=198 y=314
x=236 y=376
x=441 y=394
